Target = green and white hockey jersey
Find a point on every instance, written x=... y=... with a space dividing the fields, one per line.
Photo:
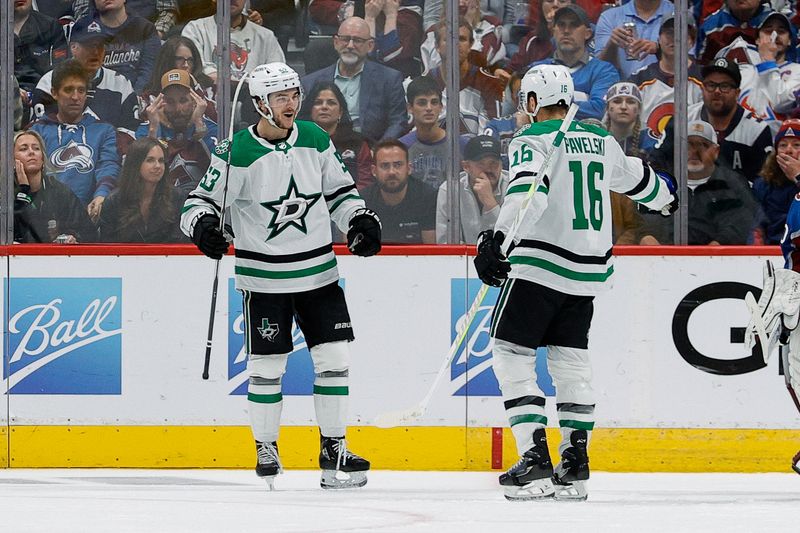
x=283 y=197
x=565 y=239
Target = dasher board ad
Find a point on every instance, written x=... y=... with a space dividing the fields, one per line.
x=121 y=340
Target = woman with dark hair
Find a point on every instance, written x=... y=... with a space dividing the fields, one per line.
x=145 y=207
x=326 y=106
x=45 y=210
x=181 y=53
x=777 y=185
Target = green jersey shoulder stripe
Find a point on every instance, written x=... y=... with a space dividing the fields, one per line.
x=284 y=258
x=561 y=271
x=287 y=274
x=566 y=254
x=309 y=135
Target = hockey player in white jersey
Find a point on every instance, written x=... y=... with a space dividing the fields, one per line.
x=286 y=183
x=560 y=259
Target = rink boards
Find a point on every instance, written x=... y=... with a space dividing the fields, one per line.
x=103 y=356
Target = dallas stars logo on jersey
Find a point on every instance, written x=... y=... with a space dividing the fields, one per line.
x=290 y=210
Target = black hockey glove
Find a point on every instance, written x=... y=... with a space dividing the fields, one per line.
x=491 y=264
x=364 y=235
x=208 y=238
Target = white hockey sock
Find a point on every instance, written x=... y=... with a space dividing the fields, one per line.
x=525 y=415
x=330 y=402
x=572 y=416
x=264 y=404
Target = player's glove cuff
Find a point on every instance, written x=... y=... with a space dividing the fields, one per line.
x=491 y=264
x=208 y=238
x=364 y=234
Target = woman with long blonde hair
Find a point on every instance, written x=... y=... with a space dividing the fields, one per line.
x=45 y=210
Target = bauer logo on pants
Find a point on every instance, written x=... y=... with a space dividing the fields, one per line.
x=65 y=336
x=477 y=365
x=299 y=376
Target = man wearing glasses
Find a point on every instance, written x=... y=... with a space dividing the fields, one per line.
x=744 y=141
x=373 y=92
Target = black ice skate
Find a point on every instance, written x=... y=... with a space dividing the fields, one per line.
x=529 y=479
x=569 y=479
x=268 y=463
x=341 y=468
x=796 y=462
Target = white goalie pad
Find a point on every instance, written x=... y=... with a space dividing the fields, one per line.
x=790 y=357
x=779 y=305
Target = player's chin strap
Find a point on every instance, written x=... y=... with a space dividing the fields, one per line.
x=267 y=116
x=777 y=309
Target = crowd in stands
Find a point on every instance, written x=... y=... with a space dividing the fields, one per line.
x=116 y=109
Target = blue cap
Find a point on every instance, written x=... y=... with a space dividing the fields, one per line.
x=87 y=30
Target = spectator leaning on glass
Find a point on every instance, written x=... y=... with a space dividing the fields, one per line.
x=83 y=151
x=721 y=206
x=45 y=210
x=373 y=92
x=405 y=205
x=627 y=35
x=481 y=187
x=110 y=95
x=592 y=77
x=134 y=42
x=144 y=208
x=181 y=53
x=325 y=105
x=778 y=184
x=176 y=117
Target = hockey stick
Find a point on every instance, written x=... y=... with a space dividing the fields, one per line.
x=215 y=286
x=396 y=418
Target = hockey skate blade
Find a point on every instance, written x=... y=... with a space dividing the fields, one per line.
x=270 y=481
x=575 y=491
x=338 y=480
x=397 y=418
x=539 y=489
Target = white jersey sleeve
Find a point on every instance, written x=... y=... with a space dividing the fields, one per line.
x=338 y=188
x=636 y=179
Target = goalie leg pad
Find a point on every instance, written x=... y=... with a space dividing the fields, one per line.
x=264 y=397
x=779 y=301
x=515 y=369
x=331 y=387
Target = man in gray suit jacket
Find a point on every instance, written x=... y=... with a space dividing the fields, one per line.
x=373 y=92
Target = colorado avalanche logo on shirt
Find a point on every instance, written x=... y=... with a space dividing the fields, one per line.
x=74 y=155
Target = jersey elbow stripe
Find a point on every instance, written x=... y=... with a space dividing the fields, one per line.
x=209 y=201
x=642 y=185
x=340 y=201
x=520 y=175
x=336 y=193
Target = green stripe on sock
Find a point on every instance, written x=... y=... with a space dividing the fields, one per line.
x=331 y=391
x=264 y=398
x=576 y=424
x=522 y=419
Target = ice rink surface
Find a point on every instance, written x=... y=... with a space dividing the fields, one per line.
x=236 y=501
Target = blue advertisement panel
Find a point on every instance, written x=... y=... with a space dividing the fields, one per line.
x=65 y=336
x=474 y=356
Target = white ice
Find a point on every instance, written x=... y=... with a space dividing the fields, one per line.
x=118 y=501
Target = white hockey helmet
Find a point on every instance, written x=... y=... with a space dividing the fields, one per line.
x=271 y=78
x=552 y=84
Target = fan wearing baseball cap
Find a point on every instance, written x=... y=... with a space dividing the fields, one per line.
x=778 y=184
x=481 y=188
x=177 y=118
x=721 y=207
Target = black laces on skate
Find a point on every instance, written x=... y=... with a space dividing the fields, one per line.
x=267 y=453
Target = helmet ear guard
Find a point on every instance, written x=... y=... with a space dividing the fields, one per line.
x=551 y=84
x=271 y=78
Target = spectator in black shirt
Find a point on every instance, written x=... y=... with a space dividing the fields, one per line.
x=39 y=43
x=405 y=205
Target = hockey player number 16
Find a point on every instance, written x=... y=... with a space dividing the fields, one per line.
x=594 y=171
x=523 y=155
